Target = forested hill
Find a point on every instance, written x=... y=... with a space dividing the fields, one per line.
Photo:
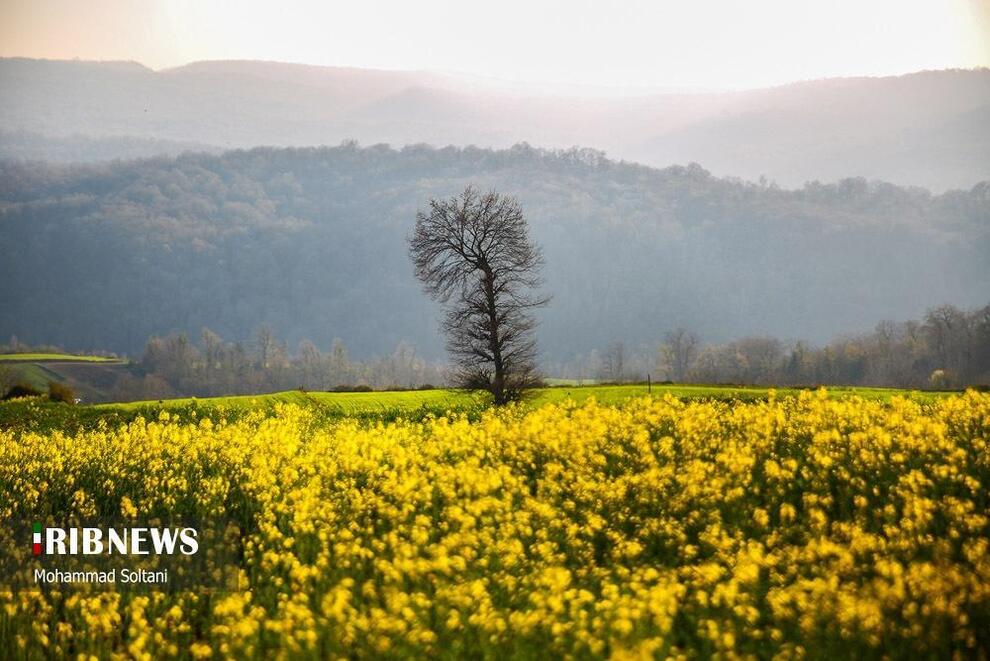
x=312 y=243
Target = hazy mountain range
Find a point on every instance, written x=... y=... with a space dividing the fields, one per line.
x=929 y=129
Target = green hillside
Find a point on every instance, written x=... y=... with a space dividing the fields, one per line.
x=91 y=377
x=55 y=357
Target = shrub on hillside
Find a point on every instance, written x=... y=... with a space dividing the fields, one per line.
x=59 y=392
x=19 y=390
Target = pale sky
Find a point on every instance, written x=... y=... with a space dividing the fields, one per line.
x=622 y=43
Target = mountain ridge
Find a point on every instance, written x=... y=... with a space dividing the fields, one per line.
x=913 y=129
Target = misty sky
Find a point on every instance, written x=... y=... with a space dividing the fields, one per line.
x=632 y=43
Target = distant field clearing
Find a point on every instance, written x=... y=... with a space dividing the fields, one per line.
x=370 y=402
x=59 y=357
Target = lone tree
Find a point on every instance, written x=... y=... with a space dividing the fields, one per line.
x=473 y=253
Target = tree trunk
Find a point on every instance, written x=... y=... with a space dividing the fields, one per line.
x=498 y=380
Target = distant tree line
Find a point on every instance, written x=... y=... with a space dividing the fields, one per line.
x=947 y=348
x=174 y=366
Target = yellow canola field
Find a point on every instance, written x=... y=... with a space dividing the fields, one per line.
x=797 y=527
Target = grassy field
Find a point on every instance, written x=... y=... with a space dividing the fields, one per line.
x=90 y=377
x=54 y=357
x=351 y=403
x=345 y=403
x=35 y=375
x=391 y=405
x=612 y=394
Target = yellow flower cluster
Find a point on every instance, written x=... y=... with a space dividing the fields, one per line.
x=797 y=527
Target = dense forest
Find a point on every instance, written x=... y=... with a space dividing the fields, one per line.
x=312 y=243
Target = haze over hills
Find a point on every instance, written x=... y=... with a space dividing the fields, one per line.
x=929 y=129
x=312 y=242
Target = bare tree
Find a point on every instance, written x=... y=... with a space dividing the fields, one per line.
x=678 y=351
x=341 y=368
x=473 y=253
x=212 y=348
x=267 y=345
x=310 y=361
x=948 y=332
x=614 y=363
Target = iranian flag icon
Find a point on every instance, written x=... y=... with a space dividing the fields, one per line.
x=37 y=538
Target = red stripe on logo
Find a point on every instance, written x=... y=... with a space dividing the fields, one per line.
x=37 y=549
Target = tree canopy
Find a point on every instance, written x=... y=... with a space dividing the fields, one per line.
x=473 y=253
